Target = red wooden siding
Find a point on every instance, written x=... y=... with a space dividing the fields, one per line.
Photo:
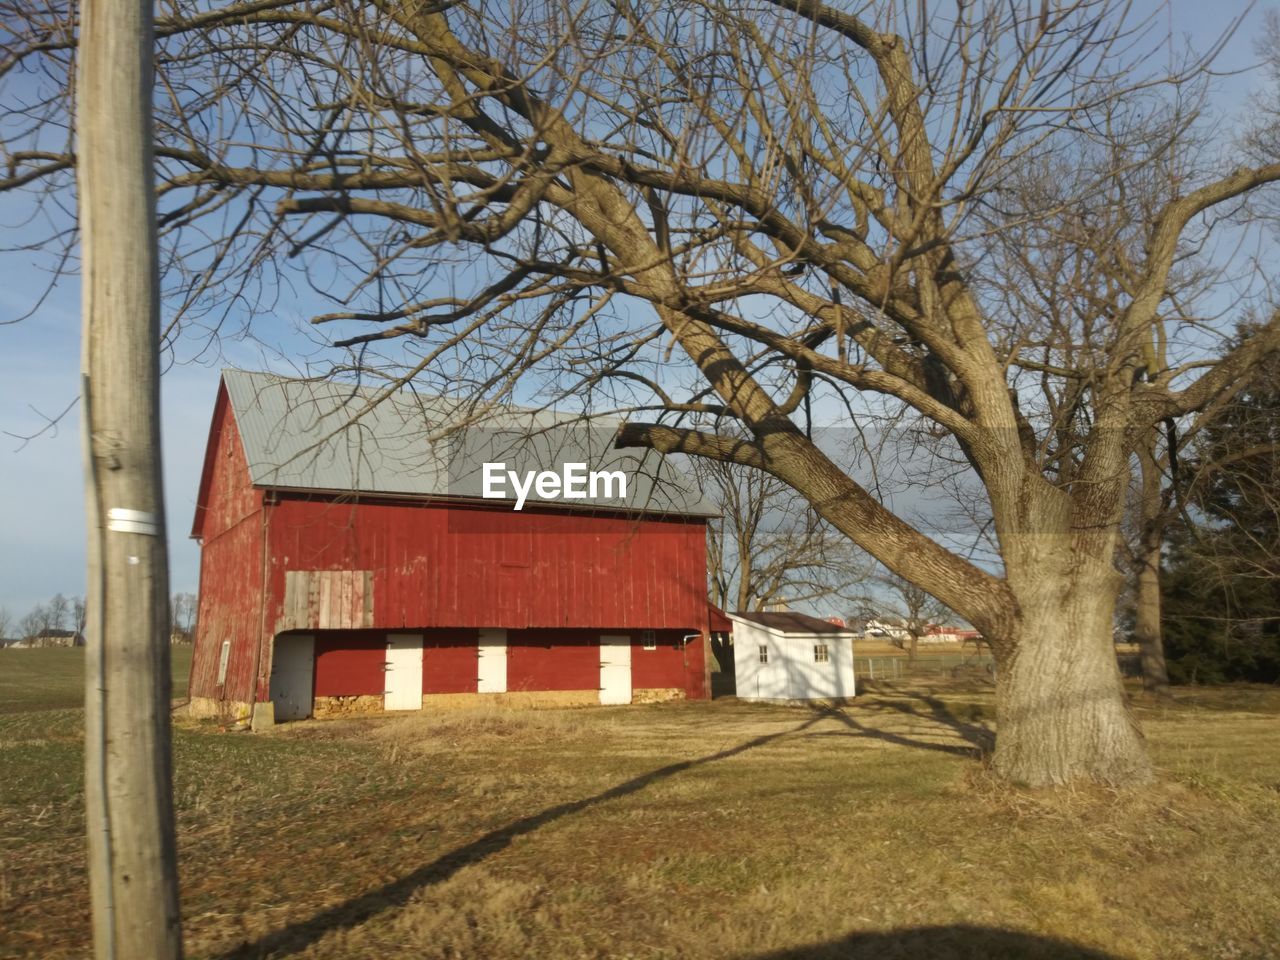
x=461 y=566
x=670 y=664
x=350 y=662
x=450 y=661
x=230 y=609
x=695 y=676
x=227 y=496
x=230 y=567
x=553 y=659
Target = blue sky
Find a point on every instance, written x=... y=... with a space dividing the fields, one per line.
x=41 y=490
x=41 y=487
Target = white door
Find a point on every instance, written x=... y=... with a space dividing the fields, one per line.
x=404 y=672
x=615 y=669
x=492 y=676
x=292 y=667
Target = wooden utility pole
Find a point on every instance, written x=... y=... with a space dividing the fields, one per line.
x=128 y=767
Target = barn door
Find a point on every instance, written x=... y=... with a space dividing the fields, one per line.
x=404 y=672
x=292 y=667
x=492 y=676
x=615 y=669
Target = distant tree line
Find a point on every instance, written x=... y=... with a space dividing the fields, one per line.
x=61 y=614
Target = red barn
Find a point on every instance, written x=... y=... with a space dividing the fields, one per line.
x=358 y=558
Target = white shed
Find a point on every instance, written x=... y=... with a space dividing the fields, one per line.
x=790 y=656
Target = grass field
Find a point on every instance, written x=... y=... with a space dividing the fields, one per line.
x=687 y=830
x=53 y=679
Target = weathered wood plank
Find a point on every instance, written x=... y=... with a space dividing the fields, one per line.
x=295 y=583
x=368 y=598
x=313 y=600
x=345 y=577
x=325 y=599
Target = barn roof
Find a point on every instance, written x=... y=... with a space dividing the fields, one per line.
x=787 y=622
x=720 y=622
x=320 y=434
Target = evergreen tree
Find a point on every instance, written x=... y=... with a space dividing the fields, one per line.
x=1222 y=585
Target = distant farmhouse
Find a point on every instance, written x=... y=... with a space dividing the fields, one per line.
x=933 y=632
x=46 y=639
x=349 y=565
x=941 y=633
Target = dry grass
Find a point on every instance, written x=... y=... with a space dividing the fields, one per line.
x=872 y=647
x=693 y=830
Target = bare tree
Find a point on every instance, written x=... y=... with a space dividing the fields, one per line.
x=59 y=610
x=183 y=608
x=767 y=546
x=58 y=614
x=912 y=607
x=6 y=622
x=78 y=614
x=1152 y=513
x=741 y=214
x=34 y=623
x=1160 y=485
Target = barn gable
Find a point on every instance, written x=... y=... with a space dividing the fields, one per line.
x=229 y=521
x=225 y=482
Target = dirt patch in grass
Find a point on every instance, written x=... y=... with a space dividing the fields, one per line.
x=685 y=830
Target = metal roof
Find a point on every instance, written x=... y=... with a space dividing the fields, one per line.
x=324 y=435
x=786 y=622
x=720 y=622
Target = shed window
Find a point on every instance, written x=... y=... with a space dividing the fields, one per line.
x=222 y=661
x=649 y=640
x=820 y=653
x=764 y=653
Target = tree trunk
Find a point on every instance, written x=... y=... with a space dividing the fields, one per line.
x=1154 y=509
x=744 y=583
x=1062 y=714
x=128 y=783
x=1148 y=629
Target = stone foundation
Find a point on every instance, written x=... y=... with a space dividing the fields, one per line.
x=208 y=708
x=657 y=695
x=364 y=705
x=329 y=708
x=264 y=717
x=513 y=699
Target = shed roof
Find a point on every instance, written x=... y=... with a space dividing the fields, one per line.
x=306 y=434
x=787 y=622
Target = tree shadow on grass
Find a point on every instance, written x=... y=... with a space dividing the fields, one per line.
x=355 y=911
x=960 y=942
x=980 y=737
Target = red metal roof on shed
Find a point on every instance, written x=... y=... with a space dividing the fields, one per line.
x=720 y=622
